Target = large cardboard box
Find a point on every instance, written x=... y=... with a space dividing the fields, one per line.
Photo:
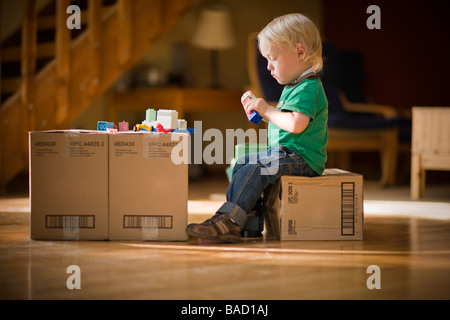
x=329 y=207
x=148 y=187
x=69 y=185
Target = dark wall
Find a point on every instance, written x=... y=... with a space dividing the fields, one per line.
x=407 y=61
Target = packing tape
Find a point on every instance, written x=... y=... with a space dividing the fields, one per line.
x=149 y=234
x=150 y=229
x=71 y=227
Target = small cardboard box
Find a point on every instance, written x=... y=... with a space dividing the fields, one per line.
x=68 y=185
x=329 y=207
x=148 y=187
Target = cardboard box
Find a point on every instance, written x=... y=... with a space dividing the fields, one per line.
x=329 y=207
x=148 y=187
x=69 y=185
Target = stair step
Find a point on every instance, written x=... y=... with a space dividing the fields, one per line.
x=44 y=50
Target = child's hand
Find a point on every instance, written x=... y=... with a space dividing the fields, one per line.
x=255 y=104
x=294 y=122
x=245 y=100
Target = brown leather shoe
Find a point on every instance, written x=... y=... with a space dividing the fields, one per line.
x=217 y=228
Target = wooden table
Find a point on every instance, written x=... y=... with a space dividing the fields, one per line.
x=181 y=99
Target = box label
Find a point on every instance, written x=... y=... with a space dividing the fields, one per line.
x=45 y=148
x=148 y=221
x=148 y=224
x=157 y=148
x=348 y=208
x=76 y=147
x=70 y=222
x=124 y=148
x=292 y=194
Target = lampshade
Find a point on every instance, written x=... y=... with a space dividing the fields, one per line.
x=214 y=30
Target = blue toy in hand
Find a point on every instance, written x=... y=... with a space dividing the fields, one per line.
x=254 y=117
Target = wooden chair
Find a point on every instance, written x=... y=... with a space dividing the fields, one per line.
x=430 y=145
x=381 y=137
x=384 y=141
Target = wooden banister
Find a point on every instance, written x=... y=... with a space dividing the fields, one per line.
x=94 y=27
x=2 y=188
x=28 y=65
x=62 y=61
x=125 y=45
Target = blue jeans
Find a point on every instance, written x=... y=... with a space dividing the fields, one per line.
x=253 y=173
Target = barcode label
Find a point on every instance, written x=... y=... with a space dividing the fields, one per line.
x=70 y=222
x=348 y=208
x=155 y=222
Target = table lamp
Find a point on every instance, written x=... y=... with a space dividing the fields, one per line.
x=214 y=32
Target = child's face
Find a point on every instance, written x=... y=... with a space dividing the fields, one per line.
x=285 y=64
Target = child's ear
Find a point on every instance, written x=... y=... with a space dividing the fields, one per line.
x=301 y=51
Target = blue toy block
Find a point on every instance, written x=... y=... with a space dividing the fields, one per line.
x=255 y=117
x=104 y=125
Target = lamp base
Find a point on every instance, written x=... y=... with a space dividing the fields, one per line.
x=215 y=70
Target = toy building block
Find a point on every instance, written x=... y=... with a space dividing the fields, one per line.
x=124 y=126
x=104 y=125
x=254 y=117
x=182 y=124
x=160 y=129
x=142 y=127
x=149 y=124
x=167 y=118
x=150 y=115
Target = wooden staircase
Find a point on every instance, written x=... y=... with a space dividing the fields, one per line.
x=51 y=74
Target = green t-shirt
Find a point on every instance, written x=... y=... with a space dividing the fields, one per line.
x=307 y=97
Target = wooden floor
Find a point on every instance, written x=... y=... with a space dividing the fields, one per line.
x=408 y=241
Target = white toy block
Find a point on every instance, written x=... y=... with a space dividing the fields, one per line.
x=167 y=118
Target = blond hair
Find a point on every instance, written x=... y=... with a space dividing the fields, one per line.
x=292 y=29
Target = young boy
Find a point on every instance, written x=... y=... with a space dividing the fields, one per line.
x=297 y=126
